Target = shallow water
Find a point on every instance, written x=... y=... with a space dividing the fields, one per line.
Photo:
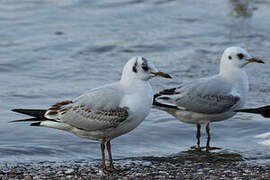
x=55 y=50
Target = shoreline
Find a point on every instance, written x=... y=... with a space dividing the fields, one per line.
x=185 y=165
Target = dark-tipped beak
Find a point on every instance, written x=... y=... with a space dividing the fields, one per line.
x=255 y=60
x=161 y=74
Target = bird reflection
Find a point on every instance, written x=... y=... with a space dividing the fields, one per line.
x=241 y=12
x=265 y=112
x=242 y=8
x=265 y=138
x=198 y=156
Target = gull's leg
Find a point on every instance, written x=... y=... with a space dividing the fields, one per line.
x=198 y=136
x=207 y=128
x=102 y=146
x=110 y=155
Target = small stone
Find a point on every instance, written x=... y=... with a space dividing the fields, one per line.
x=36 y=177
x=69 y=171
x=162 y=172
x=100 y=172
x=247 y=171
x=27 y=177
x=147 y=163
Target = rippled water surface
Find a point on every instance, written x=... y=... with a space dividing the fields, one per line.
x=55 y=50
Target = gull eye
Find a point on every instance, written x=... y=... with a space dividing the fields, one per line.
x=230 y=57
x=240 y=55
x=145 y=67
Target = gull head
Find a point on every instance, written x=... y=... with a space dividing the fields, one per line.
x=237 y=57
x=141 y=68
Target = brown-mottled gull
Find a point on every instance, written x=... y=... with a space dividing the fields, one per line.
x=106 y=112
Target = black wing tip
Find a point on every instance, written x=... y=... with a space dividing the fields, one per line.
x=170 y=91
x=16 y=110
x=13 y=121
x=35 y=124
x=247 y=110
x=238 y=110
x=156 y=95
x=157 y=104
x=26 y=120
x=264 y=111
x=37 y=113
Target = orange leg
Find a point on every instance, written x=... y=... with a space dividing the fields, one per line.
x=207 y=128
x=110 y=156
x=102 y=146
x=198 y=135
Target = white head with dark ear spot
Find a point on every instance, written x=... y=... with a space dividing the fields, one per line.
x=142 y=69
x=236 y=57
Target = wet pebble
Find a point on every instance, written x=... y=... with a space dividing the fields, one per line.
x=69 y=171
x=137 y=169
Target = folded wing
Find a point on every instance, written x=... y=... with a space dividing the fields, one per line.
x=207 y=95
x=95 y=110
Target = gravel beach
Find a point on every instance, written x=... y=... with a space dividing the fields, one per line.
x=185 y=165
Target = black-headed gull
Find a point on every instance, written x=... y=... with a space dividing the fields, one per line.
x=212 y=98
x=106 y=112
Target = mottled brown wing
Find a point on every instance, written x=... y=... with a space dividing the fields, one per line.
x=80 y=116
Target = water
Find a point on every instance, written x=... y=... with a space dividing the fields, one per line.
x=55 y=50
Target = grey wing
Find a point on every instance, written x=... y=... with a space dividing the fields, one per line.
x=208 y=95
x=95 y=110
x=102 y=98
